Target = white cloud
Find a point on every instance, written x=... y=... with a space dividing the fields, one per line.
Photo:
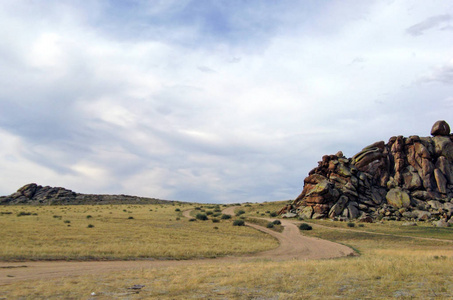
x=429 y=23
x=234 y=104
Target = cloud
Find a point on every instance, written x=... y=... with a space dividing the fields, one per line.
x=206 y=69
x=429 y=23
x=440 y=74
x=210 y=102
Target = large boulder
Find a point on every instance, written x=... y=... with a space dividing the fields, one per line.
x=398 y=198
x=440 y=128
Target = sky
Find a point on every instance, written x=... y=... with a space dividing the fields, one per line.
x=219 y=101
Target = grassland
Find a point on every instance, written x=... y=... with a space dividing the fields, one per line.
x=390 y=266
x=120 y=232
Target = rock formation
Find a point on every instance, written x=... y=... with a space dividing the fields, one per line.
x=34 y=194
x=407 y=178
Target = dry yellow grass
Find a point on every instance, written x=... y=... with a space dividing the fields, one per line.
x=389 y=267
x=383 y=275
x=119 y=232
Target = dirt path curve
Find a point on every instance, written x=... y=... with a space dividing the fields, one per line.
x=293 y=245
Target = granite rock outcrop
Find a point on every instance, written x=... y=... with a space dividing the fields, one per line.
x=33 y=194
x=407 y=178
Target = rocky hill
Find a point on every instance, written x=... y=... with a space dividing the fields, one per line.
x=408 y=178
x=33 y=194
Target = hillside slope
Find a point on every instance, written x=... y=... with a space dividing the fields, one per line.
x=33 y=194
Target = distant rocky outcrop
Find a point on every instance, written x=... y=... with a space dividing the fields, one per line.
x=408 y=178
x=33 y=194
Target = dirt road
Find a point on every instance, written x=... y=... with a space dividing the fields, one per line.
x=292 y=245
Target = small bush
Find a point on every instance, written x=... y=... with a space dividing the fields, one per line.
x=66 y=221
x=225 y=217
x=305 y=226
x=350 y=224
x=240 y=212
x=130 y=218
x=238 y=223
x=90 y=226
x=56 y=217
x=197 y=208
x=192 y=220
x=361 y=225
x=202 y=217
x=209 y=212
x=215 y=220
x=177 y=209
x=23 y=213
x=270 y=225
x=277 y=222
x=89 y=216
x=273 y=214
x=6 y=213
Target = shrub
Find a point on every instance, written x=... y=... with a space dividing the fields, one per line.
x=277 y=222
x=270 y=225
x=209 y=212
x=177 y=209
x=350 y=224
x=225 y=217
x=273 y=214
x=89 y=216
x=197 y=208
x=202 y=217
x=6 y=213
x=23 y=213
x=90 y=226
x=305 y=226
x=130 y=218
x=215 y=220
x=238 y=223
x=361 y=225
x=66 y=221
x=240 y=212
x=192 y=220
